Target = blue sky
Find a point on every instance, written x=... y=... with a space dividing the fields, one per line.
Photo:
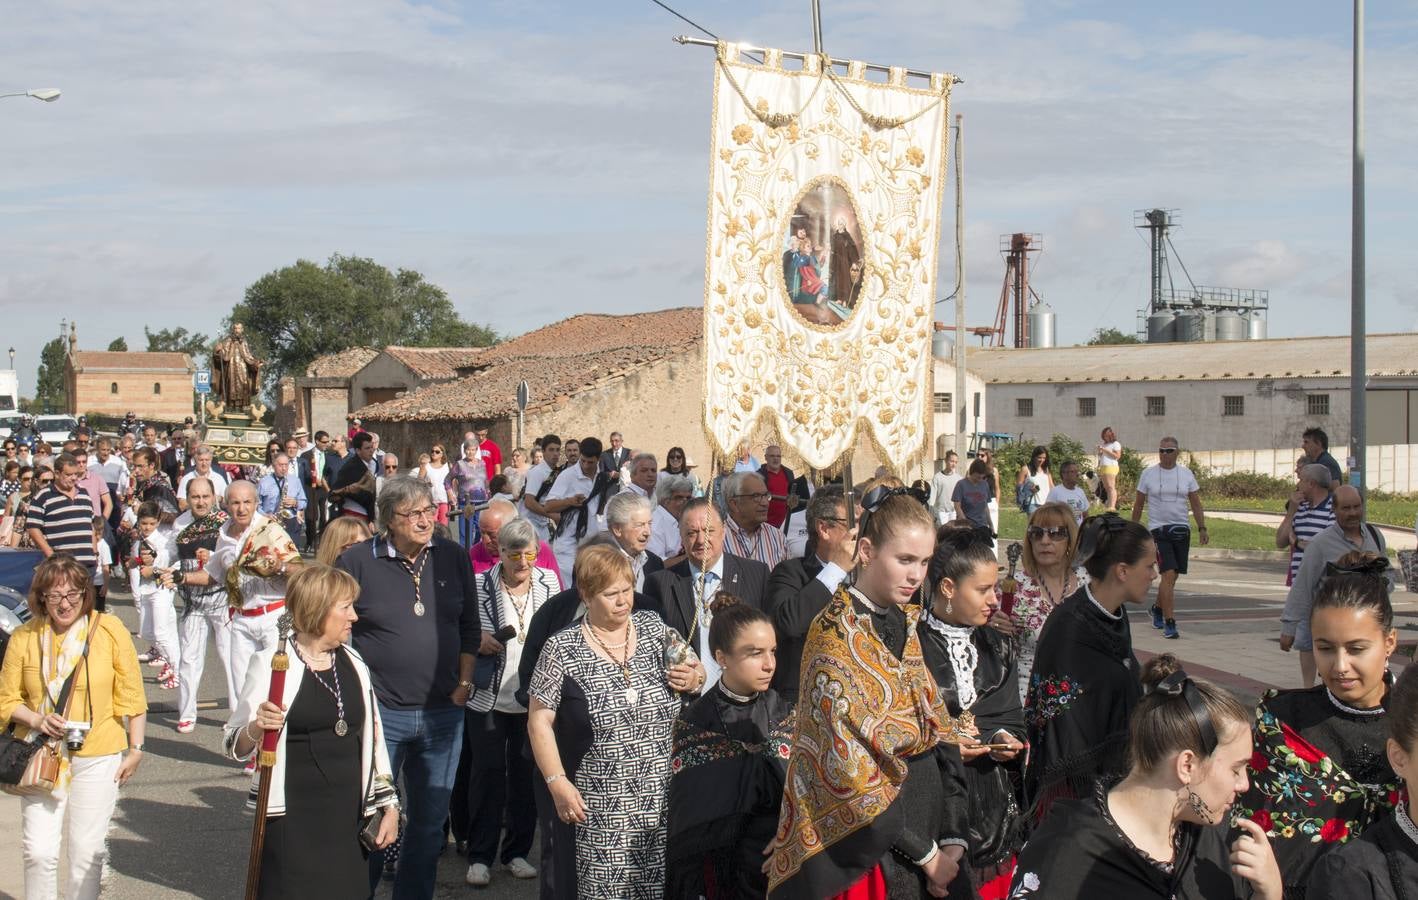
x=539 y=160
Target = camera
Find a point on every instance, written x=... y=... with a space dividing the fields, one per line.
x=75 y=733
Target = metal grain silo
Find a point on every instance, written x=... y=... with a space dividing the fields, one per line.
x=1041 y=325
x=1255 y=326
x=1191 y=325
x=1230 y=326
x=1162 y=327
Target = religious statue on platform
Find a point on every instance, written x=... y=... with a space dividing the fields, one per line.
x=236 y=373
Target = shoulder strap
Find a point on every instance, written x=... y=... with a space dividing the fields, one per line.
x=1374 y=533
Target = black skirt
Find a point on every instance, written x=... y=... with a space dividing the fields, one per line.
x=313 y=852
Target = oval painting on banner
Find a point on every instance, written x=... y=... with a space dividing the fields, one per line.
x=823 y=265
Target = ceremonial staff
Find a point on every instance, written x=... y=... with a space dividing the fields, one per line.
x=266 y=757
x=1010 y=586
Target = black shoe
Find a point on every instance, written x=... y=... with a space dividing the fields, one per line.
x=1169 y=630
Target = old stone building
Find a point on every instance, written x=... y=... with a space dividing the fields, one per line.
x=397 y=370
x=156 y=386
x=322 y=395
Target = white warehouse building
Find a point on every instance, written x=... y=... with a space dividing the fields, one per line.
x=1236 y=405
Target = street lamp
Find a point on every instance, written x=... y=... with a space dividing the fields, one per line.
x=48 y=95
x=12 y=358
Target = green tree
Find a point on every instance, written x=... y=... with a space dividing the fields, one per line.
x=300 y=312
x=118 y=345
x=49 y=392
x=1112 y=336
x=178 y=340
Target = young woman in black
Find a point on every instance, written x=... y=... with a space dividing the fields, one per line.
x=974 y=667
x=1161 y=831
x=731 y=751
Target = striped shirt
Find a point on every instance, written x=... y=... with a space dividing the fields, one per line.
x=768 y=546
x=66 y=523
x=1309 y=521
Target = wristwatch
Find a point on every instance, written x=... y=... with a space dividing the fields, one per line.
x=466 y=684
x=138 y=747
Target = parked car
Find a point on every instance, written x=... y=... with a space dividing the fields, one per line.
x=14 y=612
x=55 y=429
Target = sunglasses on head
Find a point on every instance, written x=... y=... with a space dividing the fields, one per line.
x=880 y=494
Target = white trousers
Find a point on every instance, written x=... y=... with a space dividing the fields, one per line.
x=159 y=623
x=209 y=618
x=89 y=805
x=249 y=636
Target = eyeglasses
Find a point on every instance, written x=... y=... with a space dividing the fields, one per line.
x=1056 y=533
x=759 y=497
x=524 y=556
x=390 y=468
x=1166 y=449
x=437 y=453
x=46 y=481
x=73 y=598
x=835 y=520
x=428 y=512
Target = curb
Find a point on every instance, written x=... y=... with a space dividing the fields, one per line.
x=1210 y=553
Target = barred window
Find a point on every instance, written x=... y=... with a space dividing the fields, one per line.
x=1317 y=404
x=942 y=403
x=1233 y=405
x=1024 y=407
x=1087 y=407
x=1156 y=406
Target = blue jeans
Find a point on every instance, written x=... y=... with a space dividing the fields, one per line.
x=423 y=752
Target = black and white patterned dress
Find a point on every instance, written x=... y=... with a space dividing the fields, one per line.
x=617 y=754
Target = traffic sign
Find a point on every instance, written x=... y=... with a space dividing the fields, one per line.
x=202 y=381
x=523 y=395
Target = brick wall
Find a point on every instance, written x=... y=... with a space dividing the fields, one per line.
x=93 y=392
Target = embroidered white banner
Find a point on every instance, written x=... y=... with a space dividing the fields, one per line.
x=824 y=219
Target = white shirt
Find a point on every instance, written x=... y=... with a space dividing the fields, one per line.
x=114 y=472
x=568 y=484
x=664 y=534
x=1075 y=498
x=217 y=478
x=712 y=669
x=1108 y=462
x=506 y=701
x=942 y=489
x=536 y=477
x=255 y=591
x=437 y=477
x=1166 y=491
x=164 y=544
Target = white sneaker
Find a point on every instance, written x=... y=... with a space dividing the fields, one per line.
x=478 y=875
x=520 y=868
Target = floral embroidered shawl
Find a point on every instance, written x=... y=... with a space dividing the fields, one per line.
x=861 y=716
x=1301 y=793
x=267 y=542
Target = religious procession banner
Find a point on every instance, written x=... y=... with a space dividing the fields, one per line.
x=824 y=220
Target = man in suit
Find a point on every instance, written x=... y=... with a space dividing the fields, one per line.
x=628 y=520
x=176 y=460
x=683 y=595
x=317 y=470
x=616 y=455
x=799 y=589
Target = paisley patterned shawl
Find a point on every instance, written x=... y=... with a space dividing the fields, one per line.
x=861 y=715
x=267 y=542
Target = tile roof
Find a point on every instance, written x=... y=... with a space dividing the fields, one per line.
x=558 y=361
x=112 y=359
x=1307 y=357
x=436 y=363
x=342 y=364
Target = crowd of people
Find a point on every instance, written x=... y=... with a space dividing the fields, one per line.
x=747 y=684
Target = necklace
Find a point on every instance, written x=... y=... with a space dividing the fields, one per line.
x=1048 y=594
x=1353 y=710
x=341 y=727
x=520 y=609
x=630 y=694
x=417 y=575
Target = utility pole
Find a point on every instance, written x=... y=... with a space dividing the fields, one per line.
x=1358 y=368
x=958 y=401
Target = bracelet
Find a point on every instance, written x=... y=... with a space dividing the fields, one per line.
x=551 y=778
x=256 y=739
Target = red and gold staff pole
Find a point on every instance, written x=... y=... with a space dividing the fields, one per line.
x=1009 y=585
x=266 y=758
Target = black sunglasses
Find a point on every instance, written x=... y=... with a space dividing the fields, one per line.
x=1166 y=449
x=1056 y=533
x=880 y=494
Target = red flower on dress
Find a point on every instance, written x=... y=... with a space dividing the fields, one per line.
x=1303 y=748
x=1063 y=686
x=1051 y=690
x=1395 y=797
x=1259 y=762
x=1262 y=818
x=1334 y=830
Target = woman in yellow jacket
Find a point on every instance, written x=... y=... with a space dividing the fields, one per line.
x=96 y=759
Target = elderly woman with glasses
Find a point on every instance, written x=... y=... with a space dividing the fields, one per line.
x=71 y=676
x=495 y=774
x=1048 y=576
